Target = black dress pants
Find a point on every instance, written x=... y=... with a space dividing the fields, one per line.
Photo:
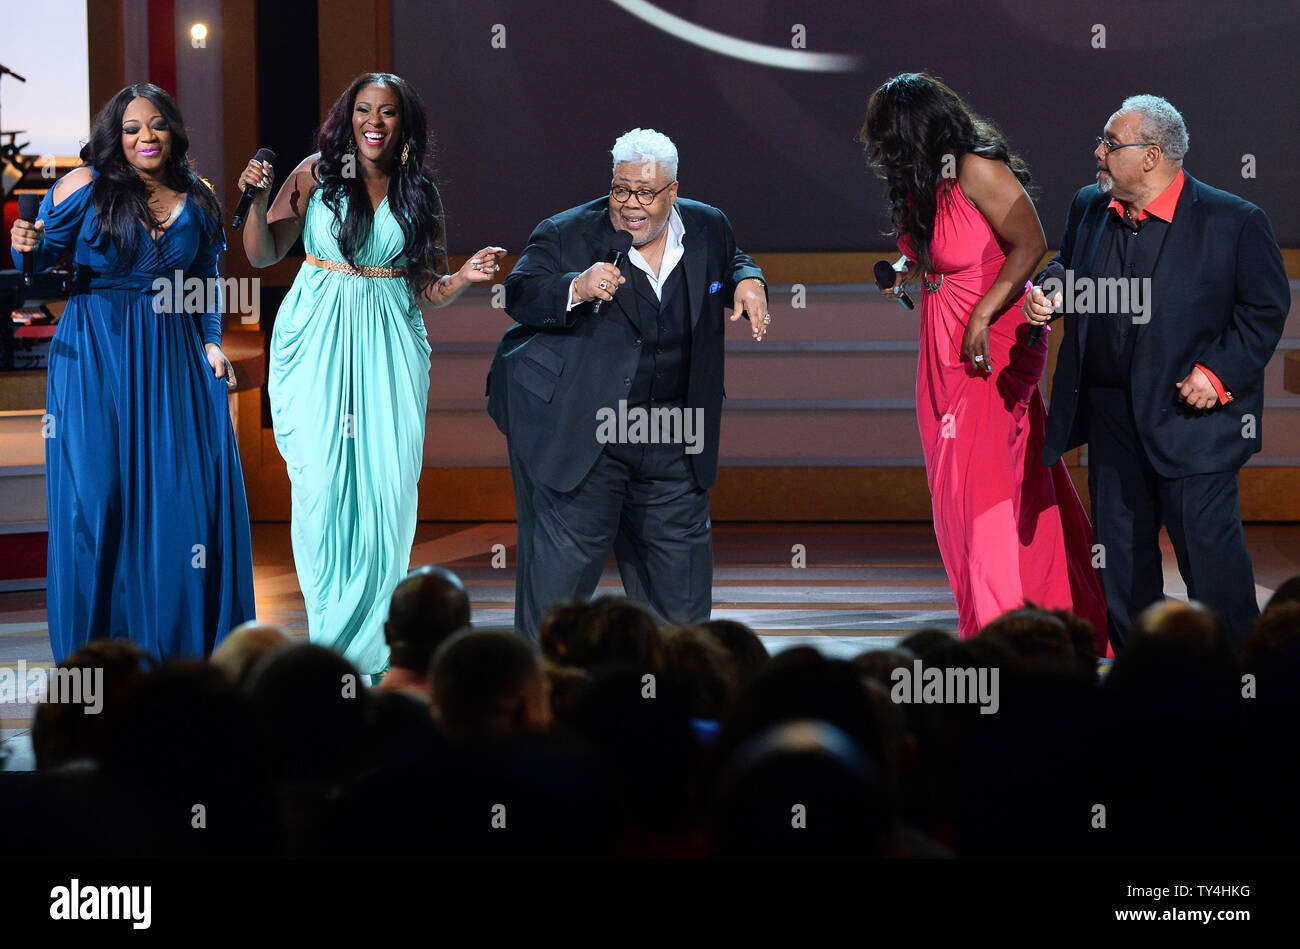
x=641 y=502
x=1130 y=502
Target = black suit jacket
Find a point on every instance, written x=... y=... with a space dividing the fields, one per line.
x=555 y=369
x=1219 y=297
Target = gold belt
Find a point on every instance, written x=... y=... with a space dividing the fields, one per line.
x=341 y=267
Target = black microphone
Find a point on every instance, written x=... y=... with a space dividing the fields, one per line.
x=29 y=205
x=619 y=246
x=250 y=192
x=885 y=277
x=1053 y=272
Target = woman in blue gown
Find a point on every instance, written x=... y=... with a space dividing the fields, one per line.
x=348 y=376
x=148 y=522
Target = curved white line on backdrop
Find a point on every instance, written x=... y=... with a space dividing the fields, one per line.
x=717 y=42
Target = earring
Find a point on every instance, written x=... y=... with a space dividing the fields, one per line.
x=352 y=146
x=406 y=150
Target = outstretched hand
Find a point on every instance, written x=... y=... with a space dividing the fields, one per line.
x=750 y=301
x=482 y=267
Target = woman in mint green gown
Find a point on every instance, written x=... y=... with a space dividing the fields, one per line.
x=349 y=363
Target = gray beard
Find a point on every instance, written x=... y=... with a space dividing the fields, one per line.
x=1105 y=183
x=649 y=237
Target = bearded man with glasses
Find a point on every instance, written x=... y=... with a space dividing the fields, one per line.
x=609 y=388
x=1168 y=392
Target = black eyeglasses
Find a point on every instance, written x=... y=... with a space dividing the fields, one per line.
x=644 y=197
x=1107 y=147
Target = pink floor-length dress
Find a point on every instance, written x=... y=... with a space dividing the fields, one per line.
x=1009 y=528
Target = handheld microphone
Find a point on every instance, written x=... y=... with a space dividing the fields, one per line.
x=618 y=247
x=29 y=205
x=885 y=277
x=250 y=192
x=1053 y=272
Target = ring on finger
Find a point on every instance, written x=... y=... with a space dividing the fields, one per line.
x=604 y=285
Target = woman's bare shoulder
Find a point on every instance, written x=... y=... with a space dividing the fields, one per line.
x=72 y=182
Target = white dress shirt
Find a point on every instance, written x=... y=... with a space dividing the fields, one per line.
x=673 y=253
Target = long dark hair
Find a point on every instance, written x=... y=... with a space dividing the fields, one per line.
x=914 y=122
x=119 y=195
x=412 y=196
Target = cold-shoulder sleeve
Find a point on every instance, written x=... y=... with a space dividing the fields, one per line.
x=212 y=244
x=62 y=224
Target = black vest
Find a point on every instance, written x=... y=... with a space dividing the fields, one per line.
x=1129 y=254
x=663 y=368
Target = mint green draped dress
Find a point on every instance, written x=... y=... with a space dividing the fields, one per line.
x=349 y=382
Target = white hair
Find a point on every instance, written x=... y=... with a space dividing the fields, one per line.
x=1159 y=122
x=649 y=146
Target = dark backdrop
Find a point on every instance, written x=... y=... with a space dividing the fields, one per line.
x=524 y=131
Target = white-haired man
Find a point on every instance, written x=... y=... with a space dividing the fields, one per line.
x=612 y=415
x=1167 y=390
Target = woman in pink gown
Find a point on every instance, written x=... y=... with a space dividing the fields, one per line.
x=1010 y=529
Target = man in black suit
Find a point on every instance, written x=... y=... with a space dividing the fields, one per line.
x=1178 y=298
x=612 y=417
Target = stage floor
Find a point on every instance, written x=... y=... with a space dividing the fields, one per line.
x=862 y=586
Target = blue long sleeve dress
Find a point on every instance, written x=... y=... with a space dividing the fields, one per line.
x=148 y=521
